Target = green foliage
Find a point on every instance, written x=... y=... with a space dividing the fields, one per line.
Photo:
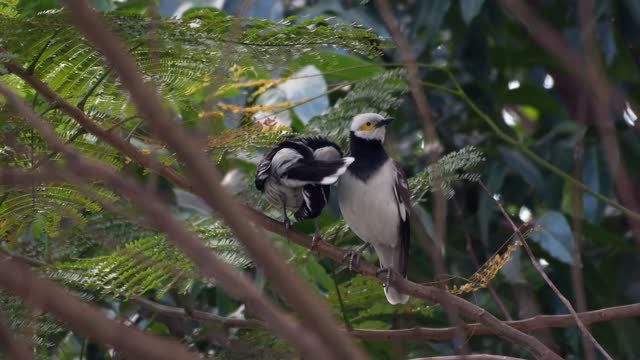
x=362 y=306
x=44 y=331
x=452 y=167
x=42 y=209
x=146 y=264
x=379 y=93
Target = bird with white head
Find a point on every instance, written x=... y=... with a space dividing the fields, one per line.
x=374 y=199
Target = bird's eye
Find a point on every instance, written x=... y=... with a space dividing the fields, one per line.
x=369 y=124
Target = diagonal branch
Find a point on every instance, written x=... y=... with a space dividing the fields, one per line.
x=583 y=329
x=13 y=345
x=423 y=333
x=336 y=254
x=88 y=320
x=431 y=138
x=207 y=179
x=470 y=357
x=589 y=74
x=234 y=282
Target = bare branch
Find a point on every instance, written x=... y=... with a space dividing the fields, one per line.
x=591 y=77
x=583 y=329
x=197 y=315
x=87 y=320
x=312 y=312
x=476 y=262
x=471 y=357
x=234 y=282
x=424 y=333
x=577 y=278
x=14 y=346
x=430 y=293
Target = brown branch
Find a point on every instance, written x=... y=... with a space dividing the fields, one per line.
x=583 y=329
x=590 y=76
x=557 y=46
x=431 y=139
x=14 y=346
x=577 y=278
x=86 y=319
x=470 y=357
x=488 y=323
x=429 y=129
x=233 y=281
x=476 y=262
x=430 y=293
x=206 y=178
x=336 y=254
x=197 y=315
x=423 y=333
x=91 y=126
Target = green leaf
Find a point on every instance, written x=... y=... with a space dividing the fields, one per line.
x=554 y=235
x=336 y=66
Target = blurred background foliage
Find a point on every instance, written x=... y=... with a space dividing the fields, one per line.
x=306 y=67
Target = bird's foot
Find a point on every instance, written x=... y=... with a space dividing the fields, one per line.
x=287 y=223
x=387 y=279
x=353 y=257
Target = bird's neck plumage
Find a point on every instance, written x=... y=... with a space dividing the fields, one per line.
x=369 y=157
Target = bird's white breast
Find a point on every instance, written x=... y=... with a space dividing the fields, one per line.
x=370 y=209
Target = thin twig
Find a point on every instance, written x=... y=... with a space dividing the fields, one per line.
x=583 y=329
x=591 y=77
x=40 y=293
x=433 y=143
x=577 y=278
x=424 y=333
x=470 y=357
x=476 y=262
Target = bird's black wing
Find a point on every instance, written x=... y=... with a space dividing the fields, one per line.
x=315 y=199
x=318 y=142
x=264 y=167
x=403 y=197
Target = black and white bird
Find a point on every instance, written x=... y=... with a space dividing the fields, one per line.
x=296 y=174
x=374 y=199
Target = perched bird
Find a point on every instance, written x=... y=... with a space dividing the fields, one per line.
x=296 y=174
x=374 y=199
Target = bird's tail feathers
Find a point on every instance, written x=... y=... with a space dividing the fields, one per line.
x=395 y=297
x=390 y=257
x=317 y=172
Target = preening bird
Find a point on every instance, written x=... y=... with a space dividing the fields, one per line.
x=296 y=174
x=374 y=199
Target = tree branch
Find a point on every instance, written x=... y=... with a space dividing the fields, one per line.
x=233 y=281
x=336 y=254
x=470 y=357
x=297 y=292
x=488 y=321
x=14 y=346
x=88 y=320
x=415 y=333
x=589 y=74
x=583 y=329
